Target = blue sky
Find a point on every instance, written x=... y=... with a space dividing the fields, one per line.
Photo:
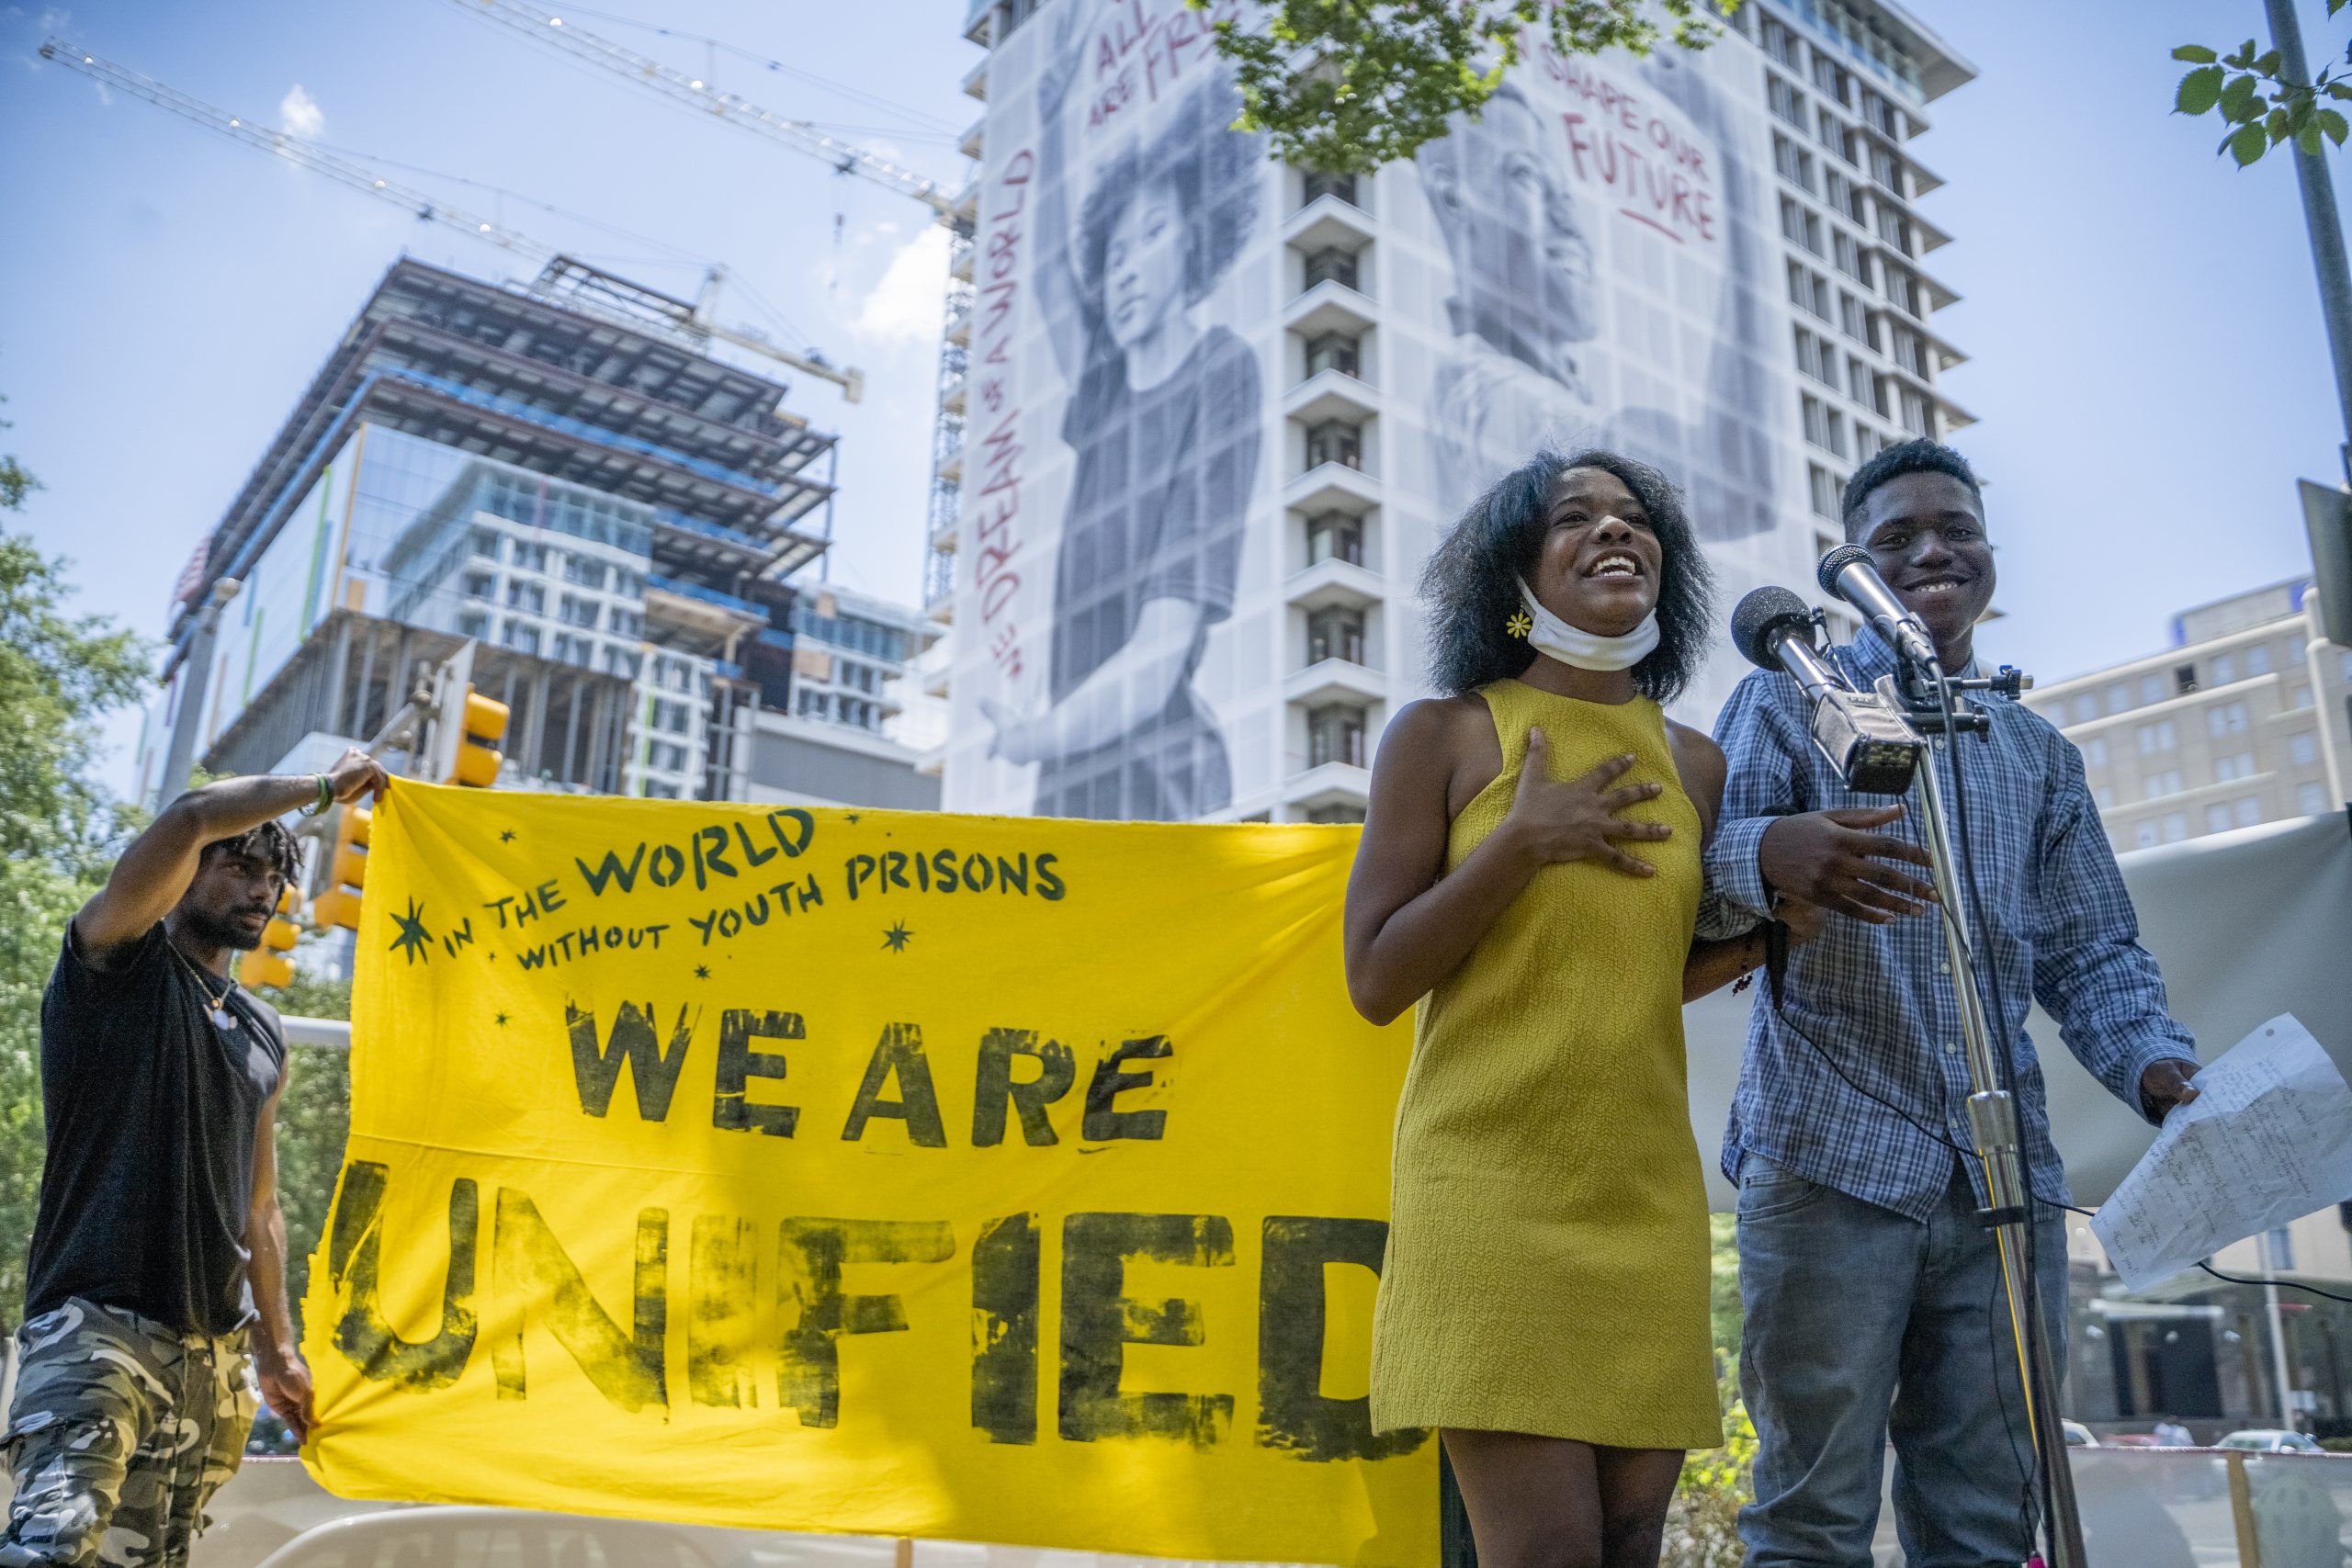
x=2147 y=361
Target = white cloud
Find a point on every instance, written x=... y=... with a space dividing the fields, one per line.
x=300 y=115
x=905 y=305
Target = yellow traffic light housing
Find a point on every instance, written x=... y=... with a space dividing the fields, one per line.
x=478 y=755
x=266 y=968
x=346 y=872
x=279 y=935
x=272 y=965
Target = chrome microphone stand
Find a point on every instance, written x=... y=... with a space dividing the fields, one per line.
x=1992 y=1107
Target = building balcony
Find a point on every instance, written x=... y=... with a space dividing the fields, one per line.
x=1332 y=487
x=940 y=607
x=1330 y=394
x=1334 y=582
x=1329 y=783
x=1329 y=307
x=975 y=80
x=1937 y=294
x=699 y=613
x=712 y=598
x=1946 y=355
x=1923 y=177
x=1335 y=680
x=1930 y=237
x=1326 y=221
x=971 y=144
x=1958 y=417
x=951 y=462
x=968 y=201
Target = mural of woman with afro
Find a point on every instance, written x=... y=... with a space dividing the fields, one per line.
x=1164 y=419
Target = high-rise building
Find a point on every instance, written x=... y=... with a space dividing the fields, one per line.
x=1203 y=416
x=563 y=475
x=2245 y=718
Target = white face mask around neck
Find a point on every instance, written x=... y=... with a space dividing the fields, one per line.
x=1555 y=638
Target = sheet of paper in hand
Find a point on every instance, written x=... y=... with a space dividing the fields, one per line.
x=2267 y=1140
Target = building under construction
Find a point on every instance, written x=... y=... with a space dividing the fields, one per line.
x=562 y=474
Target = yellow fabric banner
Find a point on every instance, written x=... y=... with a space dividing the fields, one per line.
x=966 y=1178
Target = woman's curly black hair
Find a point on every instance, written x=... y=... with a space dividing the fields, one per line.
x=1470 y=588
x=1213 y=171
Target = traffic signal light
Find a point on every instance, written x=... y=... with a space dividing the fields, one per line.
x=271 y=967
x=346 y=871
x=477 y=757
x=279 y=935
x=266 y=968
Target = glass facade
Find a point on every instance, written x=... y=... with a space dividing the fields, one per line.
x=408 y=530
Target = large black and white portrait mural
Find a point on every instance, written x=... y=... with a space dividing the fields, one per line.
x=1202 y=460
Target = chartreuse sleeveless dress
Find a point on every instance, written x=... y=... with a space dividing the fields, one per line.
x=1547 y=1268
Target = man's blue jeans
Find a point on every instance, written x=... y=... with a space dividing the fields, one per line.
x=1863 y=1324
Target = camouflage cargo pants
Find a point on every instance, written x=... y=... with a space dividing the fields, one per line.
x=120 y=1432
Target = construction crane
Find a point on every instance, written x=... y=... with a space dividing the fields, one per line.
x=689 y=320
x=552 y=31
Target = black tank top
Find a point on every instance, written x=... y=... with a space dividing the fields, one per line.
x=151 y=1110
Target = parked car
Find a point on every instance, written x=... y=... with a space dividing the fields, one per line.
x=2079 y=1436
x=491 y=1537
x=449 y=1537
x=2271 y=1441
x=270 y=1436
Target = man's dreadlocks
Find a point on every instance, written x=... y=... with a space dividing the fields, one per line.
x=270 y=843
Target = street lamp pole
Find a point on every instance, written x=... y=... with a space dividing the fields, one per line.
x=2328 y=258
x=196 y=680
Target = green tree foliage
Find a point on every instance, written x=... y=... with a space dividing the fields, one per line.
x=313 y=1120
x=1703 y=1524
x=59 y=674
x=1703 y=1527
x=15 y=482
x=1723 y=1287
x=1347 y=86
x=2261 y=106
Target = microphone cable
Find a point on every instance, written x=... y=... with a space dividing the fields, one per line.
x=1831 y=1062
x=2028 y=1467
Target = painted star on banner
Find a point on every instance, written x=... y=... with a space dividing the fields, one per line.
x=701 y=971
x=897 y=937
x=507 y=837
x=413 y=941
x=850 y=818
x=502 y=1020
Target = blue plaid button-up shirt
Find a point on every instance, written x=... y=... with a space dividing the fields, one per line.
x=1879 y=998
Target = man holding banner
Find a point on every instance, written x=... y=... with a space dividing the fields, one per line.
x=159 y=1239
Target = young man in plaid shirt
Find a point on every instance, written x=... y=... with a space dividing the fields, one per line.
x=1873 y=1298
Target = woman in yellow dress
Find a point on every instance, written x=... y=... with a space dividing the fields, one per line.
x=1530 y=876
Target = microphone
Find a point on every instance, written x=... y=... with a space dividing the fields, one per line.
x=1872 y=747
x=1846 y=573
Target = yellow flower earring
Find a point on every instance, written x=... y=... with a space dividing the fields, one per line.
x=1519 y=624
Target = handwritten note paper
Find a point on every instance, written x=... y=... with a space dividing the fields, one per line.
x=2267 y=1140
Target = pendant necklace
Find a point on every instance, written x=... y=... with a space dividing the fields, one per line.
x=216 y=1007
